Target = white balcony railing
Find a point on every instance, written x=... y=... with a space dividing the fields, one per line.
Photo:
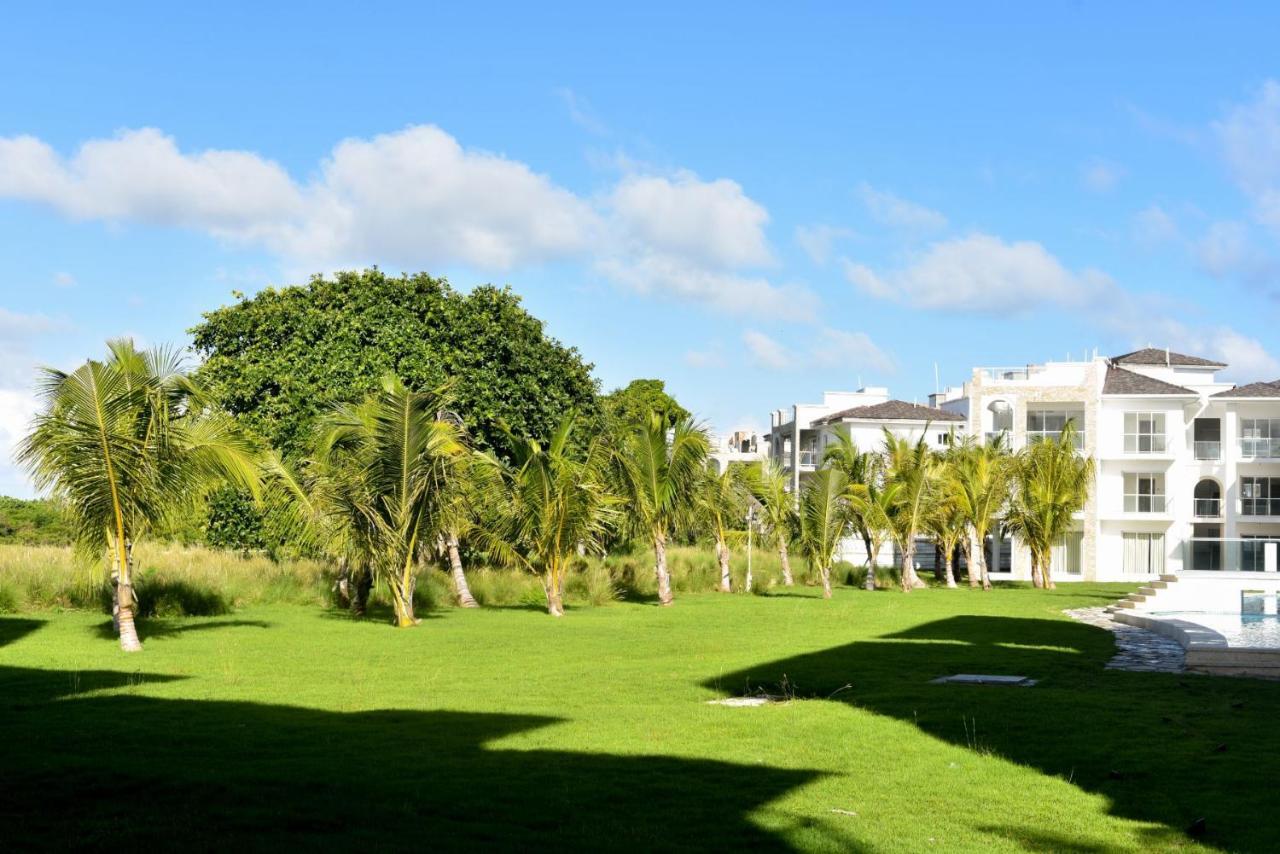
x=1260 y=449
x=1144 y=504
x=1207 y=450
x=1208 y=508
x=809 y=457
x=1005 y=374
x=1144 y=443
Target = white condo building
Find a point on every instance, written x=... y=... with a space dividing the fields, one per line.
x=1187 y=468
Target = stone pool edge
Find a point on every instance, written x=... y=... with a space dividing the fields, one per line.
x=1208 y=651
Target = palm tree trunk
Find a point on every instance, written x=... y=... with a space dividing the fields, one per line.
x=342 y=586
x=460 y=588
x=873 y=551
x=660 y=567
x=1046 y=571
x=722 y=557
x=128 y=631
x=986 y=567
x=826 y=581
x=555 y=593
x=115 y=591
x=949 y=568
x=363 y=587
x=971 y=559
x=910 y=580
x=787 y=578
x=1036 y=580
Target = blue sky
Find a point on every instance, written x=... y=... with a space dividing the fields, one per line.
x=753 y=203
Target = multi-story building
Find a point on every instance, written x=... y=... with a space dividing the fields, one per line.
x=740 y=446
x=1185 y=465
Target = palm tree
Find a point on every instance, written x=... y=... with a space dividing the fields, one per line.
x=722 y=500
x=384 y=466
x=123 y=442
x=861 y=467
x=473 y=499
x=982 y=475
x=658 y=472
x=945 y=520
x=1052 y=484
x=912 y=468
x=559 y=502
x=778 y=511
x=875 y=502
x=824 y=521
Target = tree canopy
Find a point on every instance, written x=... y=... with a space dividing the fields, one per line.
x=632 y=404
x=279 y=359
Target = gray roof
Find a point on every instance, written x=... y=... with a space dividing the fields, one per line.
x=1120 y=381
x=1264 y=389
x=1157 y=356
x=892 y=410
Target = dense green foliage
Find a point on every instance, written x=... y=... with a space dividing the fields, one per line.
x=279 y=359
x=632 y=404
x=34 y=522
x=513 y=731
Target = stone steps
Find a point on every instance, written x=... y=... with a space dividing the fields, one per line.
x=1144 y=594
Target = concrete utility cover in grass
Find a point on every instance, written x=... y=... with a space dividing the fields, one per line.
x=740 y=701
x=983 y=679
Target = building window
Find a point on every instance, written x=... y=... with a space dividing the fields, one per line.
x=1253 y=554
x=1065 y=556
x=1049 y=424
x=1143 y=493
x=1260 y=438
x=1144 y=433
x=1143 y=554
x=1260 y=496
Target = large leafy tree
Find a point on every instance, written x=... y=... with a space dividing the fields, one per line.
x=124 y=443
x=658 y=470
x=280 y=359
x=634 y=403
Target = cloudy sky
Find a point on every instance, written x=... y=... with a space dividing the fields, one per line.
x=754 y=202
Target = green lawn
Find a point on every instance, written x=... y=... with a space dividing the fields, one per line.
x=280 y=727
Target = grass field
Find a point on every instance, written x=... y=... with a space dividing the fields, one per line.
x=286 y=726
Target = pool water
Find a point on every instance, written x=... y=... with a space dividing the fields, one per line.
x=1253 y=630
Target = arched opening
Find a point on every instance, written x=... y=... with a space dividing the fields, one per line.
x=1208 y=499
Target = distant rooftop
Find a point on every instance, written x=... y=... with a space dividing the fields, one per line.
x=891 y=410
x=1263 y=389
x=1120 y=381
x=1158 y=356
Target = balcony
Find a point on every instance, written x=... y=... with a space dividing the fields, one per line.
x=1260 y=506
x=1204 y=554
x=1208 y=508
x=1211 y=451
x=809 y=458
x=1144 y=504
x=1260 y=449
x=1145 y=443
x=1005 y=374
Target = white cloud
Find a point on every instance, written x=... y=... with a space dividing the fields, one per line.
x=981 y=273
x=394 y=198
x=1227 y=250
x=889 y=209
x=1154 y=225
x=709 y=222
x=817 y=240
x=829 y=348
x=418 y=198
x=1100 y=176
x=580 y=112
x=838 y=348
x=17 y=408
x=64 y=280
x=1249 y=136
x=765 y=352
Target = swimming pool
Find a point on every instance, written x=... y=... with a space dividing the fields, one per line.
x=1236 y=630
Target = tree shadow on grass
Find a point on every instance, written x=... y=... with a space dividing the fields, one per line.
x=159 y=627
x=138 y=773
x=14 y=629
x=1163 y=748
